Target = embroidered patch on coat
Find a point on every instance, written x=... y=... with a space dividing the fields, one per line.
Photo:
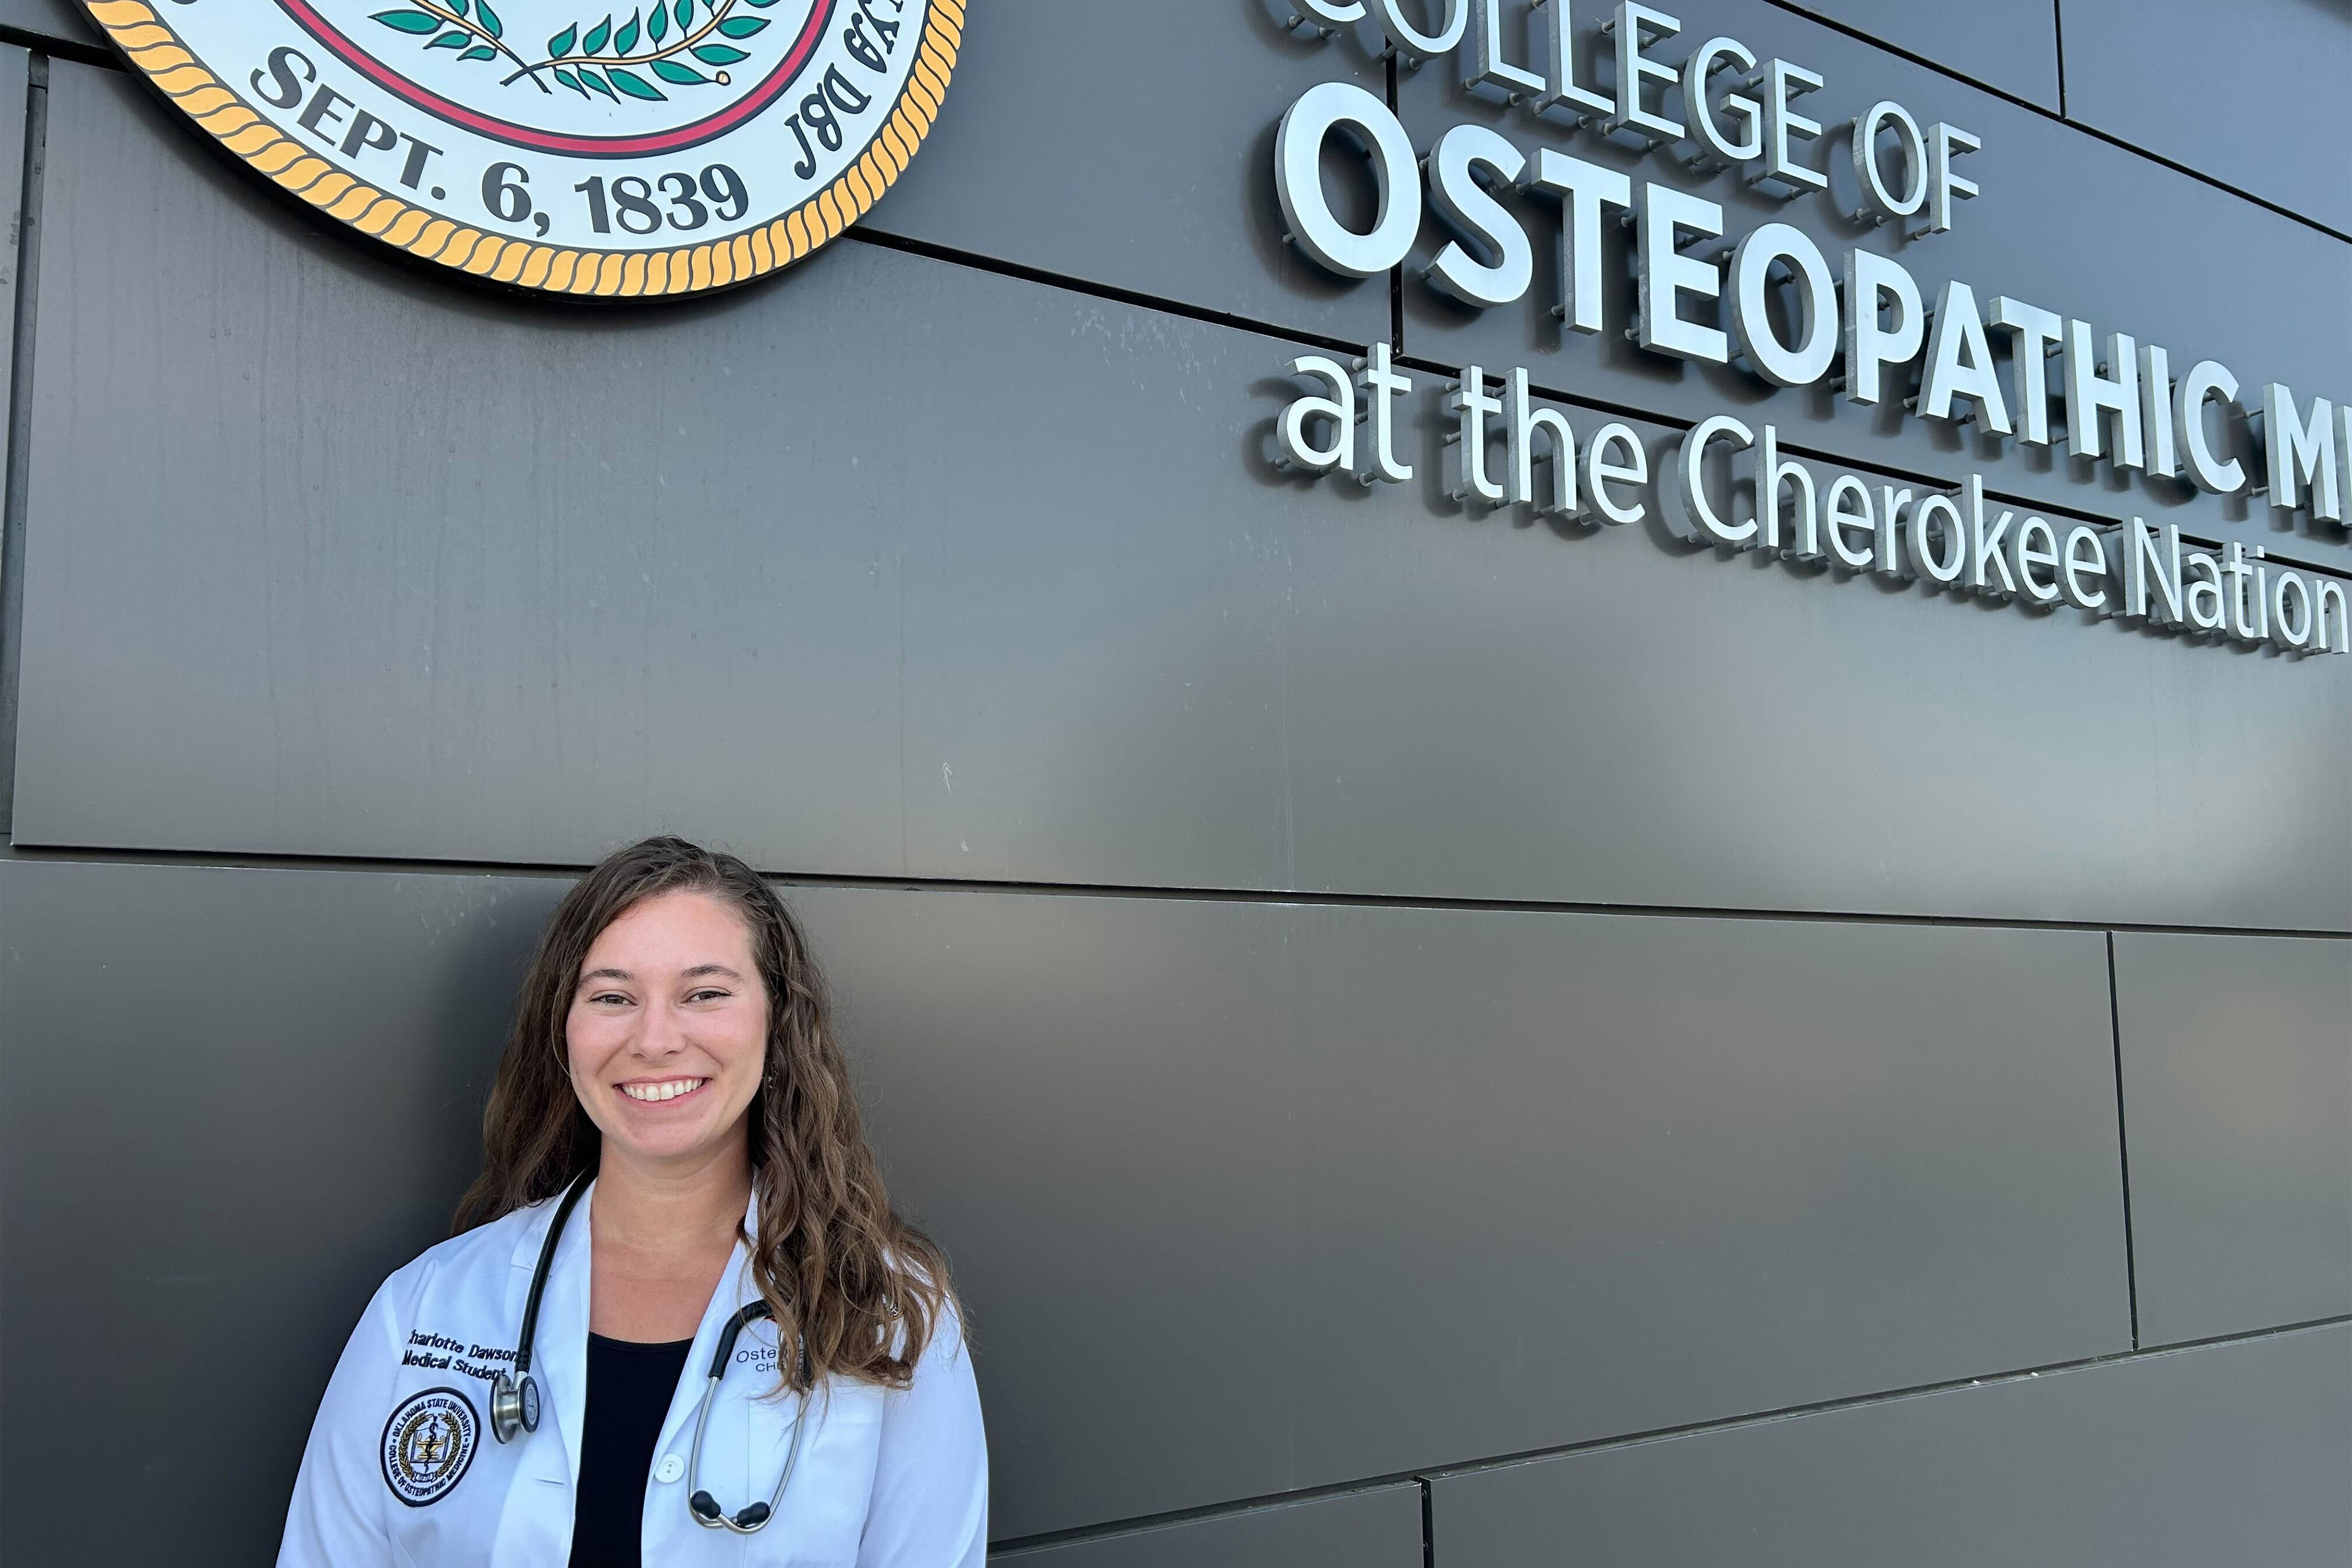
x=427 y=1445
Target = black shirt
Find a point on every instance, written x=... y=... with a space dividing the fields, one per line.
x=629 y=1391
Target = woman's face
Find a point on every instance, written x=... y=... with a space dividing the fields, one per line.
x=668 y=1030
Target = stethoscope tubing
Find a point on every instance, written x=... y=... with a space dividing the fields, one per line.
x=514 y=1396
x=705 y=1509
x=529 y=1335
x=514 y=1400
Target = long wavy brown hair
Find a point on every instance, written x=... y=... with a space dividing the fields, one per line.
x=861 y=1288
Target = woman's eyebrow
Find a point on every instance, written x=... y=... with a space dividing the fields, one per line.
x=698 y=972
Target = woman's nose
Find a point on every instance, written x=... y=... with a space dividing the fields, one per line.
x=663 y=1033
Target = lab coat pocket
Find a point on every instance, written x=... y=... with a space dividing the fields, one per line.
x=821 y=1519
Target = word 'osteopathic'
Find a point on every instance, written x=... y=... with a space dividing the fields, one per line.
x=1770 y=303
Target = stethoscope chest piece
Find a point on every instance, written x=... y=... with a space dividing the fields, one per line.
x=514 y=1396
x=514 y=1407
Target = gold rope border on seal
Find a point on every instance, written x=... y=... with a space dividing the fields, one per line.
x=152 y=46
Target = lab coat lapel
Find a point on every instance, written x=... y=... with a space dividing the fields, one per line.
x=535 y=1526
x=561 y=1357
x=736 y=1290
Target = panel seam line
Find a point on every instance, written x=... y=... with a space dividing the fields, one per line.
x=2060 y=118
x=2122 y=1138
x=2300 y=550
x=391 y=865
x=1427 y=1475
x=93 y=55
x=15 y=478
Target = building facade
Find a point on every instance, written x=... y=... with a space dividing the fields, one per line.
x=1436 y=1029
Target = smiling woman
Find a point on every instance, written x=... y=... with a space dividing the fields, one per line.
x=672 y=1078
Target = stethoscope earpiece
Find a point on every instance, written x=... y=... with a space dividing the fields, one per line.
x=707 y=1512
x=701 y=1503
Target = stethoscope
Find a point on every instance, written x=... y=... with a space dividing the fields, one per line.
x=514 y=1398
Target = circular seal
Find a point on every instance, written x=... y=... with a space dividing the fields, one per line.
x=618 y=148
x=427 y=1445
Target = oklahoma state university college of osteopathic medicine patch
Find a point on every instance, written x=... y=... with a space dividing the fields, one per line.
x=664 y=148
x=428 y=1445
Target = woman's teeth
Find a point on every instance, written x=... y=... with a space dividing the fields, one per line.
x=668 y=1089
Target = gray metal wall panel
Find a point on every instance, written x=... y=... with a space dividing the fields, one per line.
x=2070 y=223
x=2009 y=44
x=240 y=1099
x=325 y=558
x=1376 y=1528
x=464 y=578
x=2236 y=1055
x=60 y=19
x=1133 y=146
x=1672 y=1170
x=2234 y=1454
x=2240 y=91
x=1712 y=1167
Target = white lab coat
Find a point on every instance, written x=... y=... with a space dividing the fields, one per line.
x=886 y=1479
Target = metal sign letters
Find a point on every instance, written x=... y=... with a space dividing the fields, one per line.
x=1774 y=305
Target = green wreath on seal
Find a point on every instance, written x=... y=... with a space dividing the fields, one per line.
x=661 y=37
